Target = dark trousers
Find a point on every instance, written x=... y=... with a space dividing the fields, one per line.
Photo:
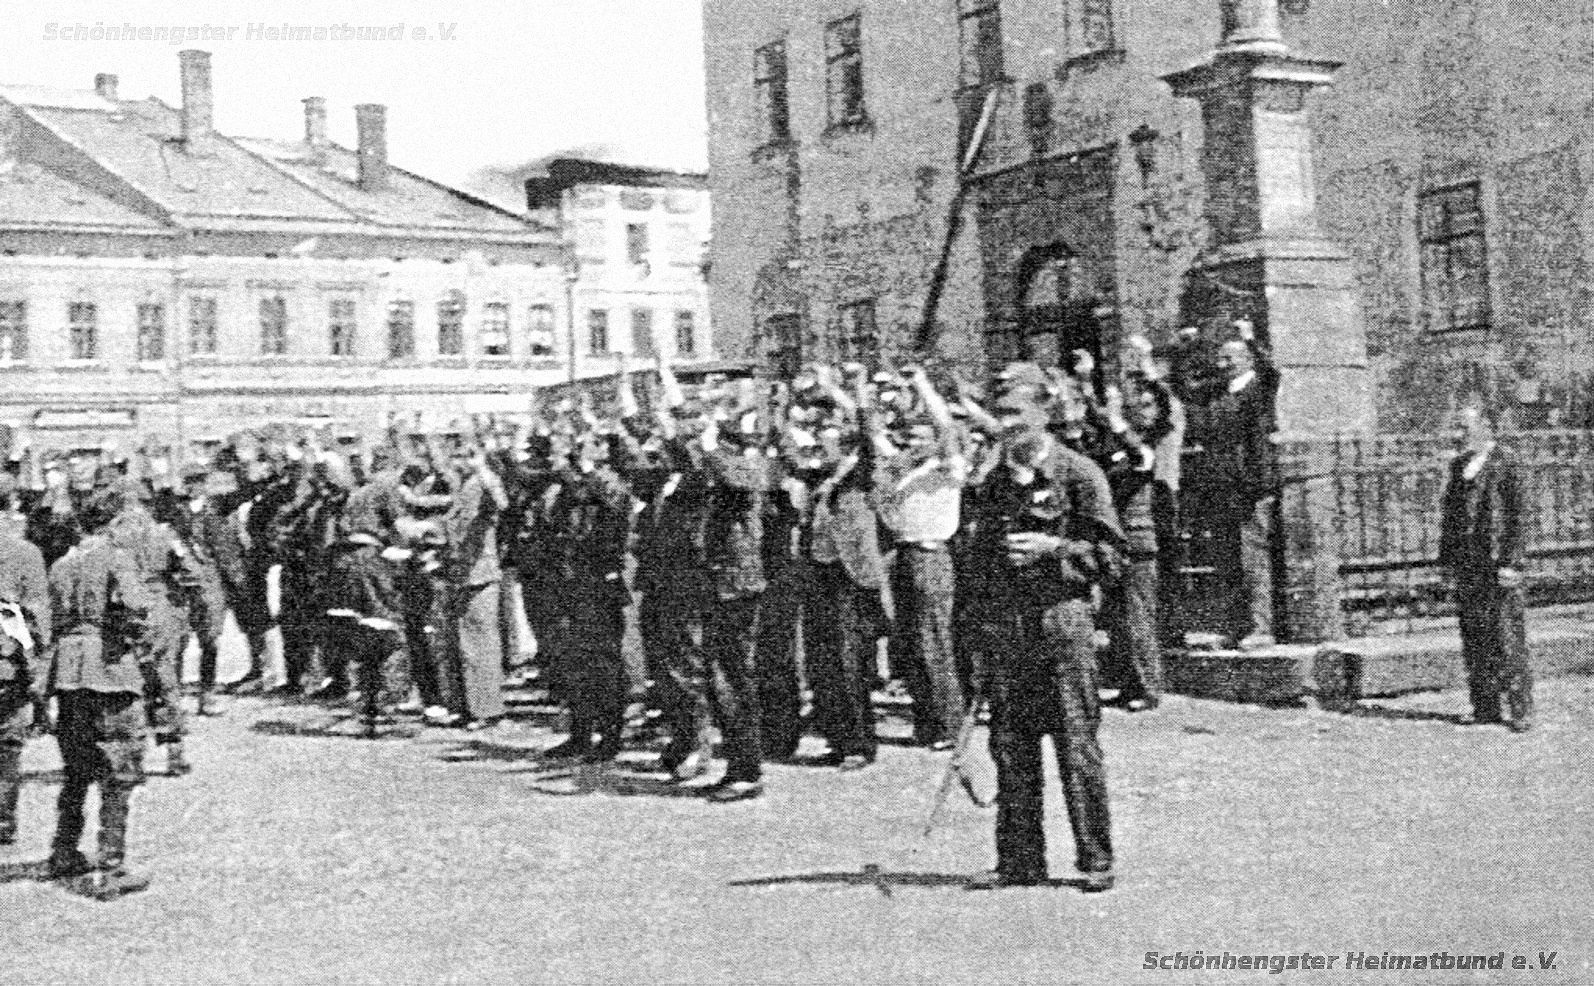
x=1171 y=556
x=840 y=641
x=1246 y=537
x=780 y=621
x=1129 y=615
x=592 y=668
x=166 y=636
x=671 y=626
x=1494 y=648
x=730 y=636
x=1044 y=683
x=303 y=621
x=921 y=584
x=16 y=714
x=101 y=735
x=382 y=675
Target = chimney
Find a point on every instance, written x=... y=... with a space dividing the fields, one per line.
x=370 y=121
x=315 y=128
x=105 y=86
x=196 y=100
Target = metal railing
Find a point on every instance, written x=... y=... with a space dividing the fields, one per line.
x=1377 y=506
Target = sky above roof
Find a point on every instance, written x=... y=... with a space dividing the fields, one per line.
x=494 y=83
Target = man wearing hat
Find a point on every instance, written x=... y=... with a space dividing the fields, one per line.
x=199 y=527
x=1045 y=536
x=169 y=575
x=98 y=672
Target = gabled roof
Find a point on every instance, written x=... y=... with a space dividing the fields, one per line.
x=141 y=143
x=408 y=200
x=136 y=147
x=30 y=197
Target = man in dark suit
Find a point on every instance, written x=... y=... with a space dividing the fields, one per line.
x=739 y=480
x=1481 y=551
x=1238 y=441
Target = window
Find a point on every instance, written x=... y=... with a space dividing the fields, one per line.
x=539 y=332
x=451 y=324
x=685 y=334
x=274 y=326
x=636 y=243
x=769 y=85
x=1454 y=263
x=859 y=339
x=400 y=329
x=598 y=332
x=340 y=326
x=783 y=339
x=151 y=332
x=82 y=319
x=1095 y=28
x=495 y=329
x=13 y=331
x=202 y=326
x=981 y=24
x=844 y=71
x=642 y=331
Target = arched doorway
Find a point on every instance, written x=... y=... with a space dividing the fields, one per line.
x=1057 y=310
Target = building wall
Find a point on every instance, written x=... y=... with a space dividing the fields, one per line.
x=669 y=280
x=186 y=397
x=1429 y=94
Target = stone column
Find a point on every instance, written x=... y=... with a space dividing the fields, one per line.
x=1269 y=261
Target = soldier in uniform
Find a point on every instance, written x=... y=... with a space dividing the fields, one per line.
x=199 y=527
x=97 y=675
x=169 y=576
x=1045 y=537
x=24 y=640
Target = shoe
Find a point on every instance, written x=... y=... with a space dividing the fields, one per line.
x=853 y=761
x=1519 y=725
x=568 y=750
x=1096 y=882
x=177 y=764
x=8 y=837
x=412 y=708
x=1141 y=705
x=482 y=725
x=941 y=745
x=330 y=691
x=1256 y=641
x=66 y=865
x=110 y=884
x=435 y=712
x=727 y=791
x=691 y=766
x=996 y=880
x=249 y=684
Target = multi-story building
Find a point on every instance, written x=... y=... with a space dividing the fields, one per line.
x=1396 y=191
x=637 y=240
x=161 y=282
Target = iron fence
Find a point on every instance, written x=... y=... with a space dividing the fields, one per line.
x=1376 y=502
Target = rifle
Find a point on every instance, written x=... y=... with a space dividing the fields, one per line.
x=956 y=771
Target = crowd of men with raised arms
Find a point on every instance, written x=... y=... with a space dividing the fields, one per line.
x=986 y=534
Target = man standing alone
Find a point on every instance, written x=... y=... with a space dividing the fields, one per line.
x=1480 y=548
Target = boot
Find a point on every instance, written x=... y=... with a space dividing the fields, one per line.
x=66 y=860
x=10 y=791
x=177 y=764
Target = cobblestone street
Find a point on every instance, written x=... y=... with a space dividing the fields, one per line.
x=296 y=853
